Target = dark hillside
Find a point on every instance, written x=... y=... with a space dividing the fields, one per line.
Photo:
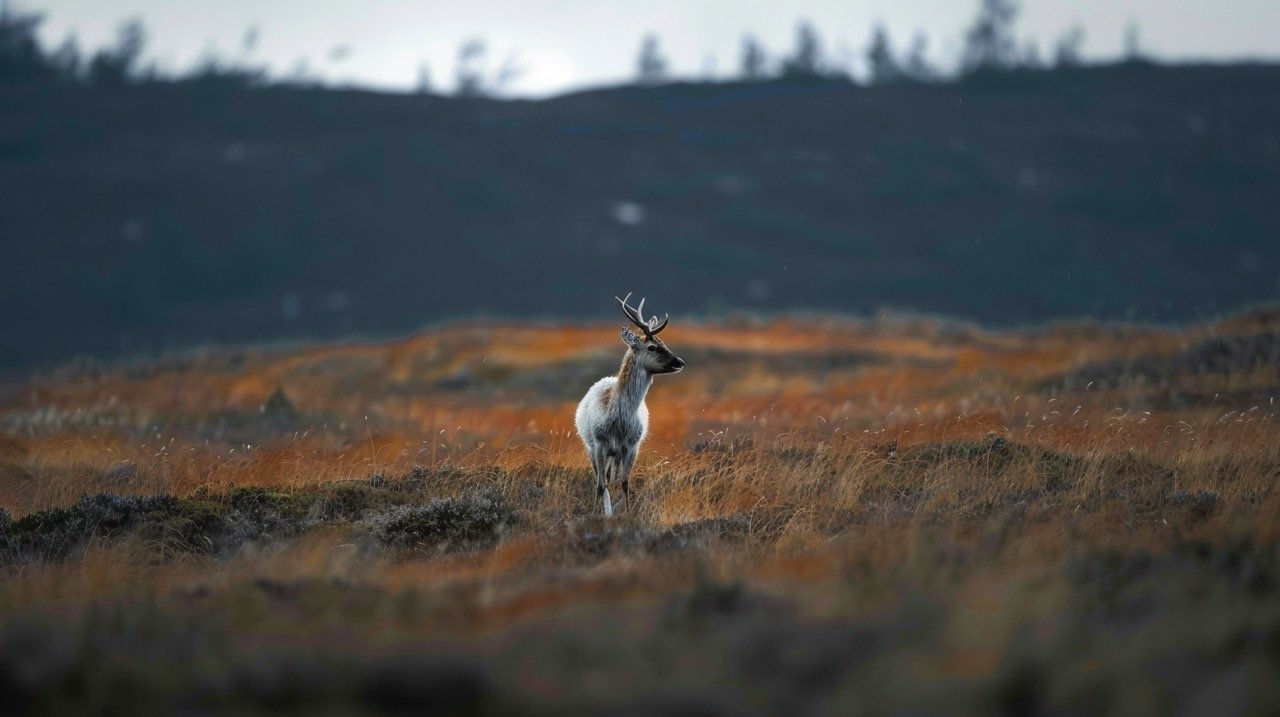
x=164 y=214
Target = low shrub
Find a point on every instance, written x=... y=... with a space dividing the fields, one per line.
x=52 y=534
x=447 y=523
x=261 y=516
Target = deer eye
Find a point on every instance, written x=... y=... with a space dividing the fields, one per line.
x=651 y=347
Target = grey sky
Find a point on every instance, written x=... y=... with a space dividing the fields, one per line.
x=564 y=44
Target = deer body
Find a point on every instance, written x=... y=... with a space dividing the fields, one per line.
x=612 y=419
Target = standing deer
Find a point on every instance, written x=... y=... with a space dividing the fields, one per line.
x=612 y=418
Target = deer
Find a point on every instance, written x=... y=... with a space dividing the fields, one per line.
x=612 y=419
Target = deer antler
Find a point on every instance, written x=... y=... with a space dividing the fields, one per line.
x=630 y=312
x=636 y=315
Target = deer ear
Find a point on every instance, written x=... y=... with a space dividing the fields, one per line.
x=631 y=339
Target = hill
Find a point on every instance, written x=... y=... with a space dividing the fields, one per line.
x=157 y=215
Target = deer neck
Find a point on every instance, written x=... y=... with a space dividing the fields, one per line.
x=633 y=384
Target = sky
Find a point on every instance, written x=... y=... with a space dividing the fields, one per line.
x=561 y=45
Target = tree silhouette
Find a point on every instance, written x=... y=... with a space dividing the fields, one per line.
x=1067 y=50
x=66 y=59
x=509 y=71
x=249 y=41
x=990 y=43
x=807 y=60
x=213 y=70
x=754 y=60
x=1030 y=56
x=469 y=71
x=20 y=57
x=884 y=68
x=1133 y=43
x=423 y=85
x=471 y=78
x=651 y=66
x=917 y=66
x=119 y=64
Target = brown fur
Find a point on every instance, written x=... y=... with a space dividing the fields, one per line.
x=624 y=376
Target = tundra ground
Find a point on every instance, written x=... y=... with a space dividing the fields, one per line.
x=830 y=516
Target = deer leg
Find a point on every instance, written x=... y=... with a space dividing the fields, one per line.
x=597 y=470
x=600 y=463
x=628 y=462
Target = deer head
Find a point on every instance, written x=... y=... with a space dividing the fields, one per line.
x=651 y=354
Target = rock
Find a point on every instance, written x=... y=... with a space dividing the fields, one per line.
x=278 y=405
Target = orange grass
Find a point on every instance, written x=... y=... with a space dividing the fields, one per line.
x=503 y=396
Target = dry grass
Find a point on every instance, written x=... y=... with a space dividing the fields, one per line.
x=830 y=515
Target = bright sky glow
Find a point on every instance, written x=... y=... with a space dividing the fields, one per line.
x=567 y=44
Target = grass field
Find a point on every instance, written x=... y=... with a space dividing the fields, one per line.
x=830 y=517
